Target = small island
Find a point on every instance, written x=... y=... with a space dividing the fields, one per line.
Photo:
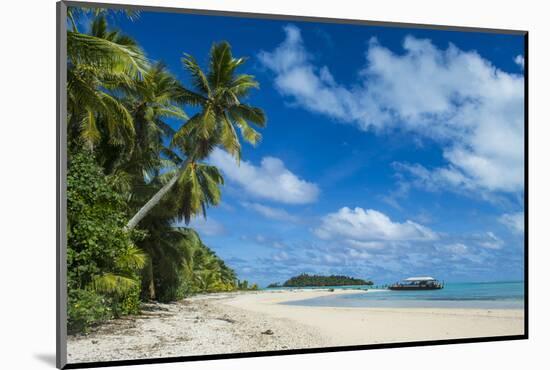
x=305 y=280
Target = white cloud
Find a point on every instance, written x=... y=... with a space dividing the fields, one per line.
x=280 y=256
x=436 y=178
x=270 y=212
x=361 y=255
x=313 y=88
x=271 y=180
x=491 y=241
x=520 y=61
x=456 y=248
x=366 y=245
x=456 y=97
x=370 y=225
x=204 y=226
x=514 y=221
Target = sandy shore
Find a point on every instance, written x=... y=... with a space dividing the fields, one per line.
x=255 y=321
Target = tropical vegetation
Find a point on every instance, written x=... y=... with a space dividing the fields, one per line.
x=137 y=170
x=305 y=280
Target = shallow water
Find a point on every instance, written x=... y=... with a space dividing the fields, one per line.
x=501 y=295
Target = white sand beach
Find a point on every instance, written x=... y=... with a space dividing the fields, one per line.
x=256 y=321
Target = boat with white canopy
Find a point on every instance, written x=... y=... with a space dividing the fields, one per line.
x=417 y=283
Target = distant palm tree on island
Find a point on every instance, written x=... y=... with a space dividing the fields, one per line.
x=305 y=280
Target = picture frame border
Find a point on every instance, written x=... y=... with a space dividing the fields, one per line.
x=61 y=193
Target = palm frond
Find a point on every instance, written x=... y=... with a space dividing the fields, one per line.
x=200 y=82
x=113 y=283
x=251 y=114
x=229 y=139
x=105 y=54
x=248 y=133
x=132 y=259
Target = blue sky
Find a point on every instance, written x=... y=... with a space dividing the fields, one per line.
x=389 y=152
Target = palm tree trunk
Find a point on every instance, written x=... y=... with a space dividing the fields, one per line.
x=151 y=288
x=151 y=203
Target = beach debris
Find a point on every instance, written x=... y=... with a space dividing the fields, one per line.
x=268 y=332
x=227 y=319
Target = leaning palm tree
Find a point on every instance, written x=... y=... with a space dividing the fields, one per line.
x=218 y=93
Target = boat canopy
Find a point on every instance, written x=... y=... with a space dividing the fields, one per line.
x=420 y=278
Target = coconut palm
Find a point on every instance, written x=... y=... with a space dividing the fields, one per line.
x=123 y=280
x=218 y=94
x=163 y=246
x=202 y=269
x=74 y=13
x=150 y=101
x=100 y=64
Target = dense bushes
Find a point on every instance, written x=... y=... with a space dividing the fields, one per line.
x=108 y=274
x=84 y=308
x=103 y=264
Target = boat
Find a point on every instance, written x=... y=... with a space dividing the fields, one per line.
x=417 y=283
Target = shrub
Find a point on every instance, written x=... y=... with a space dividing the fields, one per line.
x=85 y=308
x=102 y=261
x=129 y=303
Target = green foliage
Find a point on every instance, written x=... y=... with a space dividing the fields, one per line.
x=129 y=303
x=221 y=113
x=244 y=285
x=198 y=188
x=100 y=63
x=122 y=152
x=305 y=280
x=101 y=255
x=85 y=308
x=218 y=92
x=201 y=270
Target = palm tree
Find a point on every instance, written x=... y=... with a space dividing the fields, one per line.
x=163 y=246
x=123 y=280
x=100 y=64
x=218 y=93
x=73 y=13
x=150 y=101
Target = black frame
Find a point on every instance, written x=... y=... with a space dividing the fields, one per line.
x=61 y=317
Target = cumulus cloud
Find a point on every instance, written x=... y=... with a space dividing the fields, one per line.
x=520 y=61
x=369 y=225
x=270 y=212
x=514 y=221
x=454 y=96
x=271 y=180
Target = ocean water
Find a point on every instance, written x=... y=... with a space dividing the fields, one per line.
x=500 y=295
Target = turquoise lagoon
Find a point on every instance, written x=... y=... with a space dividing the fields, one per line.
x=483 y=295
